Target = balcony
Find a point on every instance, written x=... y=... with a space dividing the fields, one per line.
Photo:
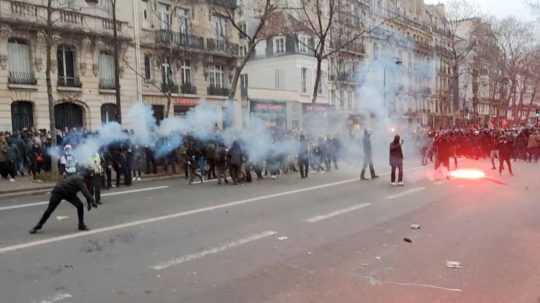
x=218 y=91
x=224 y=3
x=175 y=39
x=169 y=87
x=222 y=46
x=21 y=78
x=69 y=82
x=20 y=13
x=107 y=84
x=188 y=89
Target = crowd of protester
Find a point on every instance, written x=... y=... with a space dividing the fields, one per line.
x=26 y=152
x=501 y=146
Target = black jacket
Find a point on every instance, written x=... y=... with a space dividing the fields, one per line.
x=70 y=186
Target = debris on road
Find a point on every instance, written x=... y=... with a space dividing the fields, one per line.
x=408 y=240
x=416 y=226
x=453 y=264
x=378 y=258
x=60 y=218
x=309 y=253
x=283 y=238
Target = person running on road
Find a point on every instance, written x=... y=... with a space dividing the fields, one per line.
x=67 y=189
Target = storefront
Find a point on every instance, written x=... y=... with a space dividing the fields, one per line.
x=183 y=105
x=273 y=112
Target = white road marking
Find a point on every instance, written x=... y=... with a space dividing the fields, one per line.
x=337 y=213
x=56 y=298
x=168 y=217
x=7 y=249
x=212 y=251
x=11 y=207
x=405 y=193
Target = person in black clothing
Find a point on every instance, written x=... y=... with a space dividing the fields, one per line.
x=396 y=161
x=67 y=190
x=221 y=163
x=505 y=145
x=303 y=157
x=192 y=156
x=118 y=163
x=235 y=161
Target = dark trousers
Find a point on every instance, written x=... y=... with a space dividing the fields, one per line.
x=119 y=171
x=234 y=170
x=6 y=168
x=211 y=169
x=93 y=183
x=108 y=178
x=399 y=167
x=367 y=162
x=303 y=165
x=193 y=173
x=508 y=162
x=54 y=201
x=221 y=168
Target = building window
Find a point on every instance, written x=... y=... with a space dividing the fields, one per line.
x=218 y=24
x=147 y=67
x=166 y=73
x=303 y=44
x=217 y=76
x=164 y=17
x=279 y=45
x=186 y=73
x=109 y=113
x=350 y=100
x=106 y=71
x=303 y=79
x=66 y=66
x=244 y=84
x=183 y=21
x=19 y=62
x=22 y=115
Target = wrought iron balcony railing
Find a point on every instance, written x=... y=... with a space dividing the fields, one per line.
x=23 y=78
x=188 y=88
x=218 y=91
x=69 y=82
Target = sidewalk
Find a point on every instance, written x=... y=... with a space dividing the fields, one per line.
x=26 y=186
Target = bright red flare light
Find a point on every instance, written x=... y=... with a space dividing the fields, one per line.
x=470 y=174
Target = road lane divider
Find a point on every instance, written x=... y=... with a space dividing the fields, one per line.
x=125 y=192
x=405 y=193
x=16 y=247
x=337 y=213
x=213 y=251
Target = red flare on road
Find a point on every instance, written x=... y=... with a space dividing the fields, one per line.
x=470 y=174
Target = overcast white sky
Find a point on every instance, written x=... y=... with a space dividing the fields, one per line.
x=498 y=8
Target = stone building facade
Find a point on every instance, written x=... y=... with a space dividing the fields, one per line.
x=82 y=77
x=182 y=50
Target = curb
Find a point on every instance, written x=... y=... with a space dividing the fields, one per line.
x=46 y=188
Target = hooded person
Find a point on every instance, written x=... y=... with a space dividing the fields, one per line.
x=67 y=189
x=68 y=163
x=396 y=161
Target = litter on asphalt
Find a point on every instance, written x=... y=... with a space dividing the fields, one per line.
x=415 y=226
x=453 y=264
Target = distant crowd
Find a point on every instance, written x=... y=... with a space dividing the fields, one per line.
x=26 y=152
x=501 y=146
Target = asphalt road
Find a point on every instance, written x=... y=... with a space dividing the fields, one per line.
x=331 y=238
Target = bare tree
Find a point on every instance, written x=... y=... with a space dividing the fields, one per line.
x=263 y=12
x=514 y=41
x=459 y=46
x=320 y=17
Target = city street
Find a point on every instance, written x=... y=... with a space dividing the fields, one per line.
x=330 y=238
